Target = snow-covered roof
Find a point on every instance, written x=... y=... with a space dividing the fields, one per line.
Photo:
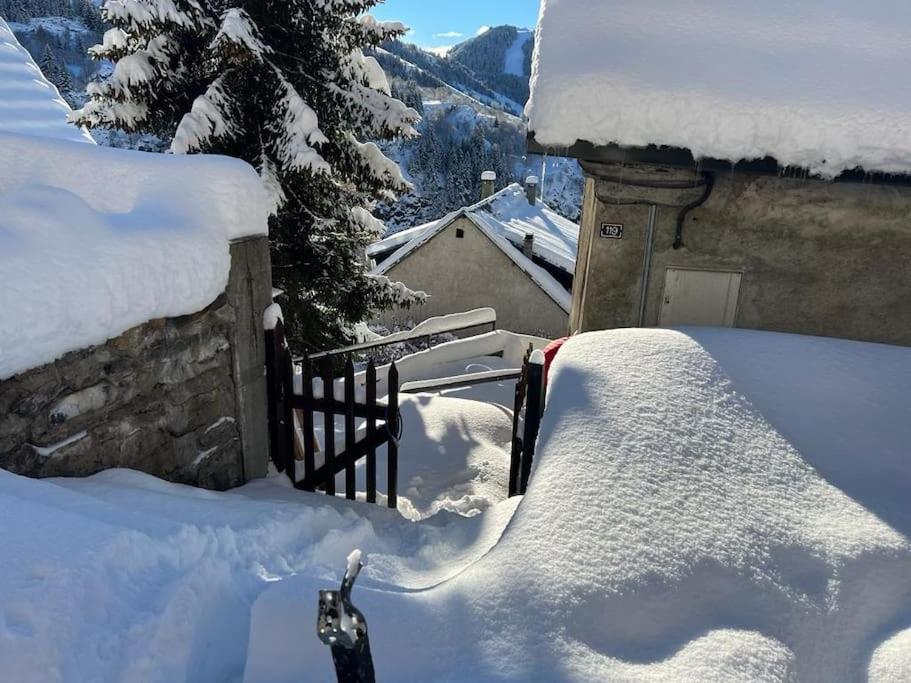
x=29 y=103
x=94 y=241
x=508 y=214
x=814 y=84
x=505 y=221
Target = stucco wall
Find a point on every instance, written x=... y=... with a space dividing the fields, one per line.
x=830 y=259
x=472 y=272
x=177 y=398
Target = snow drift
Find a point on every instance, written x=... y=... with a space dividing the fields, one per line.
x=706 y=505
x=814 y=84
x=94 y=241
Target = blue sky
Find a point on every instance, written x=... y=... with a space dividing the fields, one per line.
x=439 y=23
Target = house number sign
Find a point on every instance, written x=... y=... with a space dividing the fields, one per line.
x=613 y=231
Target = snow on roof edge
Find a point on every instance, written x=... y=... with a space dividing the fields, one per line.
x=400 y=240
x=538 y=275
x=845 y=109
x=96 y=241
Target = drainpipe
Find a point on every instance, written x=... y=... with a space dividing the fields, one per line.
x=709 y=179
x=647 y=261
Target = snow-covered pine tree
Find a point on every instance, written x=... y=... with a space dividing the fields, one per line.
x=56 y=72
x=284 y=85
x=49 y=64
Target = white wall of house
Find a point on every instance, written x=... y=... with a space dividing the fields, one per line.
x=470 y=272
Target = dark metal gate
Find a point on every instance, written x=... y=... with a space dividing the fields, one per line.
x=294 y=407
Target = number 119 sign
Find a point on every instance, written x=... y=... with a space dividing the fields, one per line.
x=612 y=231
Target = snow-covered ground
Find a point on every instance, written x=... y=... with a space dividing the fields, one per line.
x=814 y=84
x=706 y=505
x=122 y=577
x=673 y=529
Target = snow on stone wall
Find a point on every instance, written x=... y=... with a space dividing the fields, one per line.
x=816 y=85
x=94 y=241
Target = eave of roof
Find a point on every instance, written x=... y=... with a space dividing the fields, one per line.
x=678 y=157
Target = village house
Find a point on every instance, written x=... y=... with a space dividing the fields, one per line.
x=509 y=252
x=752 y=180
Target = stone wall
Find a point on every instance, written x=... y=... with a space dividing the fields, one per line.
x=176 y=398
x=820 y=258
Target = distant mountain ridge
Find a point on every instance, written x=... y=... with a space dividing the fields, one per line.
x=472 y=101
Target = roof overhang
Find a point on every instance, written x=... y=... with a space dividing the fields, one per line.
x=678 y=157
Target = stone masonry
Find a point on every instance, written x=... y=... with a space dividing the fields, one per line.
x=175 y=398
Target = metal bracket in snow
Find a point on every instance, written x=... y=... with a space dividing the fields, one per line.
x=342 y=627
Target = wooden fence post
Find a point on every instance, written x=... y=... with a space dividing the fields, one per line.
x=392 y=447
x=329 y=424
x=309 y=433
x=515 y=454
x=371 y=432
x=286 y=368
x=534 y=408
x=350 y=437
x=280 y=381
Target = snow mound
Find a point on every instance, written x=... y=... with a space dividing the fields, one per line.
x=811 y=84
x=29 y=103
x=672 y=530
x=123 y=577
x=94 y=241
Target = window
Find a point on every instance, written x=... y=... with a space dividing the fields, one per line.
x=460 y=233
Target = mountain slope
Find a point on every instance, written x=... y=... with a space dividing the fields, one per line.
x=471 y=124
x=499 y=58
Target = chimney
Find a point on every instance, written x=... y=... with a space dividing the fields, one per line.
x=528 y=245
x=488 y=184
x=531 y=188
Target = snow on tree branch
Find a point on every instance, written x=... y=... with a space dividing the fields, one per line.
x=238 y=31
x=205 y=121
x=301 y=131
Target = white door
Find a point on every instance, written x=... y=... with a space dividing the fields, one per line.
x=699 y=297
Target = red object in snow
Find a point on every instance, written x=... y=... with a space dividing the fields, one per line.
x=550 y=352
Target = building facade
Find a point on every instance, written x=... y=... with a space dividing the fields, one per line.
x=668 y=246
x=509 y=252
x=743 y=177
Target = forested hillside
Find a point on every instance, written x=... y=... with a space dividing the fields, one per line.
x=470 y=100
x=58 y=34
x=500 y=58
